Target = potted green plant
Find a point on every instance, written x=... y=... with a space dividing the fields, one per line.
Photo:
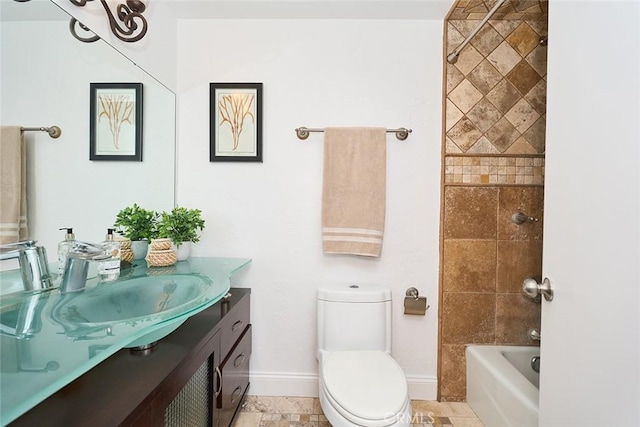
x=181 y=225
x=139 y=225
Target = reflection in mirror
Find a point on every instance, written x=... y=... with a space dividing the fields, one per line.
x=46 y=75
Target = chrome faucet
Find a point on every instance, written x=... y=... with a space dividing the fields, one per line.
x=34 y=266
x=534 y=334
x=76 y=268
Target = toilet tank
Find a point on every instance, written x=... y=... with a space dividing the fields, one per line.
x=354 y=318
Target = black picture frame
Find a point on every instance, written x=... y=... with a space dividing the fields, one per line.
x=232 y=136
x=115 y=127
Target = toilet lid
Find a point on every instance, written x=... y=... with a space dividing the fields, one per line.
x=367 y=384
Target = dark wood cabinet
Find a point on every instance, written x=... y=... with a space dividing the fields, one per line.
x=196 y=376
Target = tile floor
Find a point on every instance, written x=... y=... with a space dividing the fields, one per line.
x=265 y=411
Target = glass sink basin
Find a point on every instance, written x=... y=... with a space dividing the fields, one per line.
x=137 y=299
x=164 y=301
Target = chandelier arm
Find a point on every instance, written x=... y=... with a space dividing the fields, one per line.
x=128 y=17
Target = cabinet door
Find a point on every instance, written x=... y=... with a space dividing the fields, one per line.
x=235 y=378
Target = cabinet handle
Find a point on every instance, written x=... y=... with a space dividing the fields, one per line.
x=237 y=325
x=219 y=375
x=237 y=363
x=236 y=394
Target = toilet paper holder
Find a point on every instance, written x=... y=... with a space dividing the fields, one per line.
x=414 y=303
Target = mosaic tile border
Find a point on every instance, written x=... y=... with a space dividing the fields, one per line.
x=493 y=170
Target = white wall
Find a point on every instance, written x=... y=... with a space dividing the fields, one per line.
x=316 y=73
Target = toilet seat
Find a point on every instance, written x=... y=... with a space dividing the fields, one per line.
x=365 y=387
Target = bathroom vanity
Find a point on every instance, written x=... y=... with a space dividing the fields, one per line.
x=66 y=357
x=197 y=375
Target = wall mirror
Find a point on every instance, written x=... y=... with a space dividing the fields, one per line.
x=45 y=80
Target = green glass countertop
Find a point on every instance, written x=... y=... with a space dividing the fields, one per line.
x=50 y=350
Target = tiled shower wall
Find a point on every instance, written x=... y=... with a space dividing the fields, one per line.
x=493 y=158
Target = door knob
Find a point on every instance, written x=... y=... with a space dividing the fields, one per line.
x=532 y=288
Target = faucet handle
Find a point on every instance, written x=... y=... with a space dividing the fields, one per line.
x=520 y=218
x=87 y=251
x=12 y=250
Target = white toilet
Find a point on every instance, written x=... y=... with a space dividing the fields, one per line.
x=360 y=383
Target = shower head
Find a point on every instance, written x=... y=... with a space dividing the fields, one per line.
x=452 y=58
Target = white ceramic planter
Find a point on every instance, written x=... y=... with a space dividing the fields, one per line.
x=183 y=251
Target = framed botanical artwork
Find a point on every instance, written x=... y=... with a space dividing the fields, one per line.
x=235 y=122
x=116 y=121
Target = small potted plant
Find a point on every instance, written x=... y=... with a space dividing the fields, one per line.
x=139 y=225
x=181 y=225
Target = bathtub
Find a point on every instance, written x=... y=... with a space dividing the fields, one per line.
x=502 y=388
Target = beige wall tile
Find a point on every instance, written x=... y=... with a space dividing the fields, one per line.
x=503 y=105
x=469 y=266
x=523 y=39
x=502 y=134
x=484 y=115
x=468 y=59
x=484 y=77
x=452 y=114
x=468 y=318
x=517 y=260
x=486 y=40
x=515 y=315
x=470 y=213
x=538 y=60
x=464 y=133
x=483 y=146
x=453 y=371
x=504 y=27
x=504 y=96
x=523 y=77
x=451 y=147
x=454 y=77
x=537 y=97
x=522 y=115
x=521 y=146
x=535 y=135
x=465 y=96
x=504 y=58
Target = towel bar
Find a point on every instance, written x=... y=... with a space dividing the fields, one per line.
x=53 y=131
x=401 y=133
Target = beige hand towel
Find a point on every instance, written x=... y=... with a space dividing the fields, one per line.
x=13 y=186
x=353 y=192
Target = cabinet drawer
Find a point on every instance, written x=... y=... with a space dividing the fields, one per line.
x=234 y=324
x=235 y=378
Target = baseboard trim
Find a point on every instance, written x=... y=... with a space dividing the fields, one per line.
x=306 y=385
x=422 y=387
x=283 y=384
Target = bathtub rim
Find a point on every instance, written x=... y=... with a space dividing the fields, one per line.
x=504 y=372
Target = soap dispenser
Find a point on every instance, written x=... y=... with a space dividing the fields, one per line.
x=109 y=269
x=63 y=248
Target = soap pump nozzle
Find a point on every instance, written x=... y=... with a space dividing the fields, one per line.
x=109 y=236
x=69 y=235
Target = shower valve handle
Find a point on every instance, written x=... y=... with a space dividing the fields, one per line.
x=532 y=288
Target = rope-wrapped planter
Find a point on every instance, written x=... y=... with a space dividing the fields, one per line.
x=161 y=258
x=126 y=255
x=160 y=244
